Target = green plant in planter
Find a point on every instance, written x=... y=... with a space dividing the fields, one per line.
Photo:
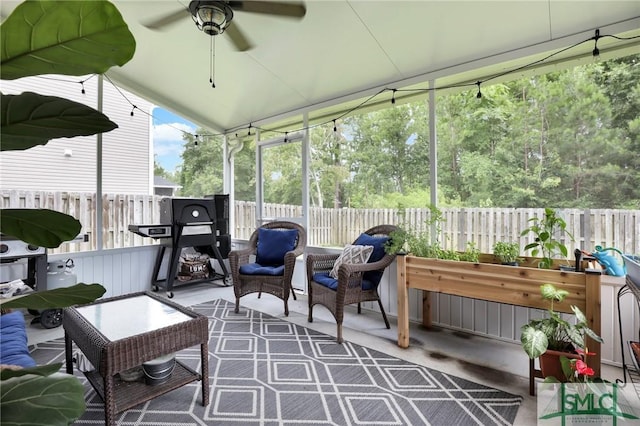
x=407 y=240
x=397 y=243
x=420 y=244
x=471 y=253
x=52 y=37
x=546 y=230
x=507 y=252
x=554 y=332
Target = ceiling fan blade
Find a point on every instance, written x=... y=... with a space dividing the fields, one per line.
x=284 y=9
x=166 y=20
x=239 y=40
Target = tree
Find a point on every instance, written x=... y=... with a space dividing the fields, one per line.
x=201 y=172
x=382 y=156
x=329 y=172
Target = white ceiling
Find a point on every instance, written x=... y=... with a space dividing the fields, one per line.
x=346 y=50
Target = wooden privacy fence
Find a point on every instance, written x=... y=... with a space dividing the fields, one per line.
x=336 y=227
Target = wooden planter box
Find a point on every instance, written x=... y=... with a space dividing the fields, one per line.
x=514 y=285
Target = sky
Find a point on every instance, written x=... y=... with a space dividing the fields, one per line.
x=167 y=137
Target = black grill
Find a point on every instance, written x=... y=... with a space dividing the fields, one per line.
x=192 y=223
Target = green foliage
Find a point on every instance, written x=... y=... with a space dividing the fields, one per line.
x=67 y=38
x=30 y=119
x=50 y=37
x=397 y=243
x=546 y=230
x=245 y=171
x=37 y=400
x=42 y=227
x=507 y=252
x=421 y=244
x=39 y=370
x=554 y=332
x=471 y=253
x=568 y=139
x=201 y=172
x=78 y=294
x=46 y=37
x=282 y=174
x=158 y=170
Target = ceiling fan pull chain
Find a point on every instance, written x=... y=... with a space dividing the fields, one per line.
x=213 y=59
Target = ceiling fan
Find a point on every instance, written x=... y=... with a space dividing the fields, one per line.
x=214 y=17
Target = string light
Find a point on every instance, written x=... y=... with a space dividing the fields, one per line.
x=285 y=137
x=82 y=84
x=596 y=51
x=195 y=142
x=133 y=109
x=335 y=128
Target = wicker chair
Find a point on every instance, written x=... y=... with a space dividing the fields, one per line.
x=356 y=283
x=272 y=269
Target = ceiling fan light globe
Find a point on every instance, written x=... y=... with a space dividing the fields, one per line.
x=212 y=17
x=211 y=29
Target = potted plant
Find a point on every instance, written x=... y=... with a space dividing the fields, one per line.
x=76 y=38
x=553 y=337
x=507 y=252
x=547 y=230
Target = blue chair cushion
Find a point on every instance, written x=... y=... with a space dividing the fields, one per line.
x=13 y=341
x=257 y=269
x=377 y=243
x=378 y=253
x=323 y=278
x=273 y=244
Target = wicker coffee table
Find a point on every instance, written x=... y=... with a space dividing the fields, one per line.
x=120 y=333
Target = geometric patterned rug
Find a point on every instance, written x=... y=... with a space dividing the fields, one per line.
x=267 y=371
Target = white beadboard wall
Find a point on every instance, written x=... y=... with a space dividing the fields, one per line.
x=120 y=271
x=129 y=270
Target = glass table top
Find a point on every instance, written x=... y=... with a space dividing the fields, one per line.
x=131 y=316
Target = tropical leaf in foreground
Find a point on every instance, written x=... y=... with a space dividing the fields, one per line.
x=40 y=227
x=63 y=37
x=78 y=294
x=36 y=400
x=30 y=119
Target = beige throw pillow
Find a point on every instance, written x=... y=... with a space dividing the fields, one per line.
x=351 y=255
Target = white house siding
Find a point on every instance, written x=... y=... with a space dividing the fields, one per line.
x=126 y=166
x=126 y=157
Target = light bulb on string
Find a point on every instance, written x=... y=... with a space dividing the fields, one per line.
x=133 y=109
x=82 y=84
x=196 y=141
x=250 y=125
x=479 y=95
x=596 y=51
x=335 y=128
x=393 y=97
x=285 y=137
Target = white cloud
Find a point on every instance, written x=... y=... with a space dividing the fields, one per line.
x=170 y=132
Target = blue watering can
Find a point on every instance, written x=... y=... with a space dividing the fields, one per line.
x=612 y=265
